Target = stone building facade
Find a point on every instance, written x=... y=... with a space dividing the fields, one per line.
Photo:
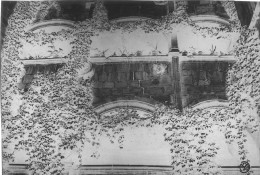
x=172 y=76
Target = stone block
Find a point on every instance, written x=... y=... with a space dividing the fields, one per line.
x=102 y=77
x=98 y=84
x=105 y=92
x=108 y=68
x=146 y=83
x=126 y=91
x=145 y=76
x=187 y=80
x=134 y=83
x=99 y=69
x=95 y=77
x=134 y=67
x=138 y=75
x=156 y=90
x=108 y=85
x=123 y=67
x=148 y=68
x=186 y=66
x=117 y=92
x=122 y=76
x=203 y=75
x=120 y=84
x=168 y=90
x=165 y=79
x=112 y=76
x=136 y=90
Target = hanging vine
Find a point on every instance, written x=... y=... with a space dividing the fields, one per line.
x=56 y=112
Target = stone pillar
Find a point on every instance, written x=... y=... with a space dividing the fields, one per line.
x=175 y=76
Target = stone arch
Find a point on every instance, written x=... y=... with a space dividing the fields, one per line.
x=134 y=104
x=228 y=149
x=215 y=103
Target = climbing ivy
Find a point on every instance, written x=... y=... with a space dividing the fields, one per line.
x=56 y=112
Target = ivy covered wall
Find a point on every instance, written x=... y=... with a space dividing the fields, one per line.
x=55 y=115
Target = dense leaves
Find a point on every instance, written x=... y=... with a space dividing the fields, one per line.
x=56 y=112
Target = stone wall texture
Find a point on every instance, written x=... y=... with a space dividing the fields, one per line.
x=132 y=80
x=202 y=81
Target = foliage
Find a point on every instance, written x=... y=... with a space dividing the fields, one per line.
x=243 y=87
x=12 y=69
x=56 y=113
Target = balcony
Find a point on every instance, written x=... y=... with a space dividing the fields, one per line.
x=42 y=47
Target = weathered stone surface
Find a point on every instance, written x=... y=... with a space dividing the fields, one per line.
x=111 y=76
x=155 y=90
x=122 y=76
x=108 y=85
x=205 y=81
x=138 y=75
x=168 y=90
x=102 y=77
x=145 y=76
x=165 y=79
x=187 y=80
x=98 y=84
x=121 y=84
x=145 y=83
x=186 y=72
x=134 y=83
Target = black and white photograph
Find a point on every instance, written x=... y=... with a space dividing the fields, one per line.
x=130 y=87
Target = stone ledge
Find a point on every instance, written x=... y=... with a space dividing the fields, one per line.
x=207 y=58
x=149 y=58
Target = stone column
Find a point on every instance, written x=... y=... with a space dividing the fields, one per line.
x=175 y=76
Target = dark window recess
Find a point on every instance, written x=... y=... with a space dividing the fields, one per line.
x=117 y=9
x=131 y=81
x=245 y=8
x=70 y=10
x=206 y=8
x=6 y=10
x=76 y=10
x=204 y=80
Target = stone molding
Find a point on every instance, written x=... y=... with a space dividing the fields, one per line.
x=136 y=104
x=209 y=19
x=130 y=19
x=211 y=104
x=150 y=58
x=208 y=58
x=53 y=22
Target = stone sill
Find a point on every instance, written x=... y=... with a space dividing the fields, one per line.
x=46 y=61
x=156 y=58
x=207 y=58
